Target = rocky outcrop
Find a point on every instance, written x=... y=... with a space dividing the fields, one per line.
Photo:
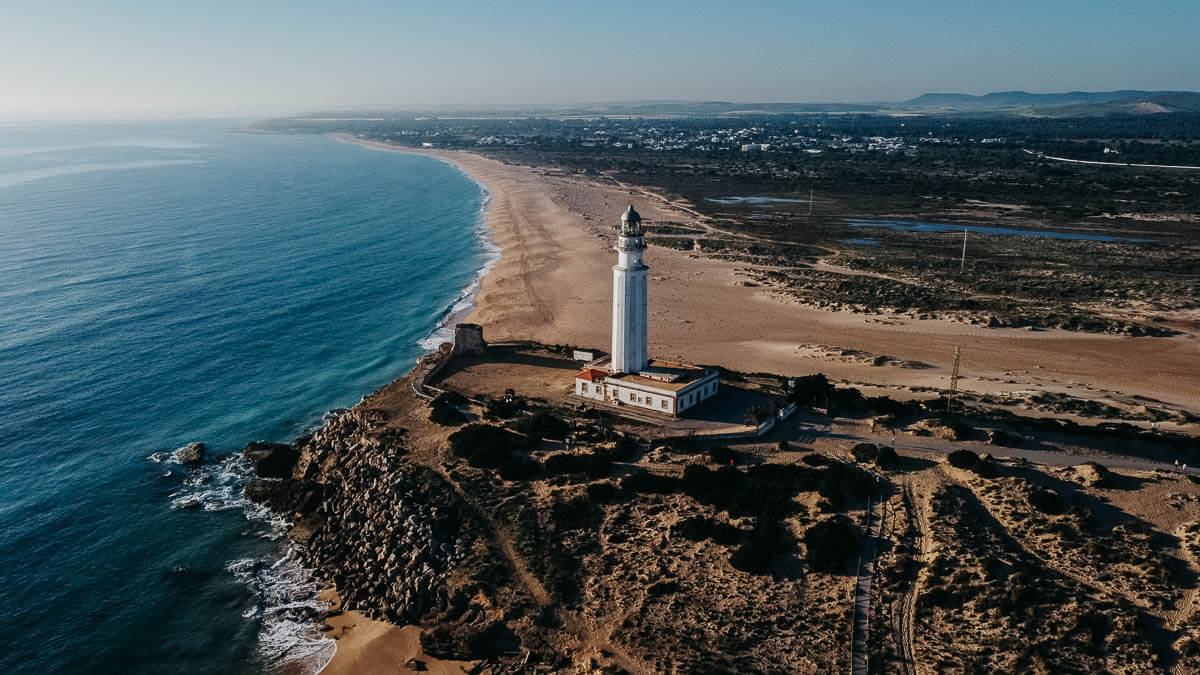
x=272 y=460
x=191 y=454
x=389 y=534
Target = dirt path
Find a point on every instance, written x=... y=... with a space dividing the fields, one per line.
x=1189 y=604
x=905 y=609
x=862 y=588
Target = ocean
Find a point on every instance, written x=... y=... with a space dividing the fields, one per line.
x=169 y=282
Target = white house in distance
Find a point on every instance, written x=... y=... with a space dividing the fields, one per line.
x=628 y=376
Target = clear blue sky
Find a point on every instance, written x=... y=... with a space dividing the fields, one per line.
x=211 y=56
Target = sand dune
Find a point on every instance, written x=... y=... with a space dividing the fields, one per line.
x=553 y=284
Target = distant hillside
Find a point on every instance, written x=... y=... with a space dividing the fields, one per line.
x=706 y=108
x=1019 y=103
x=1082 y=103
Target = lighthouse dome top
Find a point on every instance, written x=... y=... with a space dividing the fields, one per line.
x=631 y=223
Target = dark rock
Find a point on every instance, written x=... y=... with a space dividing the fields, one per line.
x=271 y=460
x=286 y=496
x=191 y=454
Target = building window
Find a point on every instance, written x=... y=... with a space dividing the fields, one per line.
x=664 y=404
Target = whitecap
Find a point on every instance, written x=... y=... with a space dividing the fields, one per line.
x=285 y=602
x=286 y=606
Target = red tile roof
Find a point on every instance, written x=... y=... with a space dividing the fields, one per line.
x=592 y=375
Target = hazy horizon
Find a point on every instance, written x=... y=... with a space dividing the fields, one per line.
x=78 y=59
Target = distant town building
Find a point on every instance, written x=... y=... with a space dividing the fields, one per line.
x=628 y=376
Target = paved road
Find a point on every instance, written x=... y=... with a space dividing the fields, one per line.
x=1090 y=161
x=807 y=432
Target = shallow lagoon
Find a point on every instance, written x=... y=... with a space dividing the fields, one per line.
x=755 y=200
x=914 y=226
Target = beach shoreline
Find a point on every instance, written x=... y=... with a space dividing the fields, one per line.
x=551 y=284
x=464 y=305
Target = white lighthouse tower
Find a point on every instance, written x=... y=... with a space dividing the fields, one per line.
x=629 y=350
x=627 y=377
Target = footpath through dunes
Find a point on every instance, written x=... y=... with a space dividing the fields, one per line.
x=553 y=284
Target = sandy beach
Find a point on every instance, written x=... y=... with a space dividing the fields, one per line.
x=553 y=284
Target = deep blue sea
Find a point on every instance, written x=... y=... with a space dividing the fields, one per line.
x=170 y=282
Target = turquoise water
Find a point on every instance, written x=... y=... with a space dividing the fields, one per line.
x=162 y=283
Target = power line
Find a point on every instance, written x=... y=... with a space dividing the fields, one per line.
x=954 y=377
x=963 y=265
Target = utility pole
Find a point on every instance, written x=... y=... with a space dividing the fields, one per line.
x=954 y=377
x=810 y=198
x=963 y=265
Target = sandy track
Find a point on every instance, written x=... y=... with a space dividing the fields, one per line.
x=904 y=616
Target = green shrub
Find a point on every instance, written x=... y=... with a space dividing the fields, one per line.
x=682 y=446
x=831 y=489
x=519 y=468
x=542 y=425
x=579 y=513
x=887 y=458
x=626 y=447
x=603 y=492
x=828 y=543
x=642 y=481
x=757 y=415
x=1046 y=501
x=810 y=390
x=817 y=459
x=567 y=462
x=484 y=445
x=700 y=528
x=597 y=464
x=864 y=452
x=963 y=459
x=725 y=456
x=719 y=488
x=985 y=468
x=498 y=408
x=449 y=398
x=763 y=543
x=1002 y=438
x=446 y=415
x=442 y=409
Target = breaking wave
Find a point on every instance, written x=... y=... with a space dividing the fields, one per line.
x=286 y=605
